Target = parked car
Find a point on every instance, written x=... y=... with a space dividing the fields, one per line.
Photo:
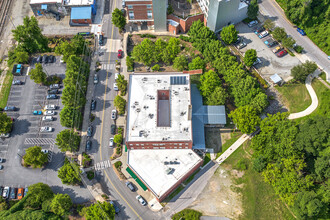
x=238 y=40
x=96 y=79
x=116 y=75
x=61 y=59
x=115 y=87
x=54 y=86
x=13 y=193
x=46 y=129
x=45 y=151
x=120 y=54
x=258 y=61
x=52 y=59
x=241 y=45
x=114 y=114
x=26 y=191
x=113 y=129
x=281 y=53
x=1 y=160
x=141 y=200
x=4 y=135
x=111 y=142
x=259 y=30
x=270 y=42
x=277 y=49
x=52 y=91
x=17 y=82
x=49 y=112
x=88 y=145
x=51 y=96
x=101 y=38
x=117 y=209
x=37 y=112
x=1 y=167
x=263 y=34
x=10 y=108
x=5 y=192
x=93 y=104
x=253 y=23
x=130 y=186
x=20 y=193
x=45 y=59
x=301 y=31
x=50 y=107
x=39 y=59
x=89 y=131
x=47 y=118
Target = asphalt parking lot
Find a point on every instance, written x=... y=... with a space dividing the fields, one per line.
x=26 y=133
x=270 y=63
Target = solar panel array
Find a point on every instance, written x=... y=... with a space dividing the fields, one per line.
x=178 y=80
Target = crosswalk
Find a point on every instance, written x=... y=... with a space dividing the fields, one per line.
x=107 y=66
x=39 y=141
x=50 y=154
x=102 y=165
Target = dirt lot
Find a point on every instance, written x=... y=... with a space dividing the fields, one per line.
x=218 y=198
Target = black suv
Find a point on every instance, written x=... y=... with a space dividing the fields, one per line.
x=113 y=129
x=89 y=131
x=93 y=104
x=101 y=38
x=130 y=186
x=88 y=145
x=45 y=59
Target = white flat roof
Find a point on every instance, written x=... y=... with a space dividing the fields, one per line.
x=143 y=109
x=150 y=167
x=44 y=1
x=78 y=2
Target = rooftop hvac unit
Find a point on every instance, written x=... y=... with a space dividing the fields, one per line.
x=169 y=170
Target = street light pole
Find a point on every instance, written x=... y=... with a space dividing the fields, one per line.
x=11 y=21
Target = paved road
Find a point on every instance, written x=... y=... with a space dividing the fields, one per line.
x=270 y=9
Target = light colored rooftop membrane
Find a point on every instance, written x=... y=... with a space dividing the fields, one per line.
x=143 y=109
x=161 y=169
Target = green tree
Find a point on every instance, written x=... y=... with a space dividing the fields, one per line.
x=253 y=9
x=66 y=49
x=209 y=82
x=100 y=211
x=307 y=205
x=120 y=104
x=197 y=63
x=61 y=204
x=218 y=97
x=245 y=118
x=279 y=34
x=300 y=72
x=171 y=51
x=160 y=46
x=187 y=214
x=70 y=117
x=269 y=24
x=29 y=36
x=229 y=34
x=37 y=74
x=122 y=84
x=118 y=19
x=130 y=64
x=260 y=102
x=69 y=173
x=3 y=204
x=199 y=31
x=250 y=57
x=6 y=123
x=180 y=63
x=72 y=96
x=288 y=42
x=144 y=52
x=22 y=57
x=118 y=138
x=68 y=140
x=37 y=194
x=155 y=68
x=34 y=157
x=244 y=90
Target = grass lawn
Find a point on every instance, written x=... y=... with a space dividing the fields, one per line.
x=207 y=158
x=225 y=146
x=323 y=76
x=258 y=197
x=174 y=193
x=191 y=177
x=295 y=97
x=5 y=90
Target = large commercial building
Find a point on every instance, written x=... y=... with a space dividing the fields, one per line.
x=165 y=129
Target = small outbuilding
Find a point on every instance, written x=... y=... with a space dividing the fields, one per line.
x=276 y=79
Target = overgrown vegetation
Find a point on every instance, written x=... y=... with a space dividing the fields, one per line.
x=313 y=16
x=187 y=214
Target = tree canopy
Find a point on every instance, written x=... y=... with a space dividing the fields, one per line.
x=180 y=63
x=197 y=63
x=34 y=157
x=122 y=84
x=209 y=81
x=301 y=71
x=100 y=211
x=38 y=193
x=68 y=140
x=246 y=118
x=279 y=34
x=253 y=9
x=69 y=173
x=6 y=123
x=199 y=31
x=61 y=204
x=118 y=18
x=217 y=97
x=229 y=34
x=70 y=117
x=244 y=90
x=38 y=75
x=250 y=57
x=120 y=104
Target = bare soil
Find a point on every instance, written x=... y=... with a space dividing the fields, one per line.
x=218 y=197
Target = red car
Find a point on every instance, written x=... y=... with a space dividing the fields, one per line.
x=120 y=54
x=281 y=53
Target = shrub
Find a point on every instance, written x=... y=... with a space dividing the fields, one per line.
x=118 y=164
x=130 y=64
x=147 y=36
x=118 y=150
x=298 y=49
x=241 y=165
x=155 y=68
x=187 y=214
x=90 y=175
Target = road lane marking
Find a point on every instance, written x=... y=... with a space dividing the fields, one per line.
x=104 y=100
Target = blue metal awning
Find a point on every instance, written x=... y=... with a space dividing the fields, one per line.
x=81 y=12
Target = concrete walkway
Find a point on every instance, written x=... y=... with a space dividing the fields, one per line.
x=324 y=82
x=313 y=96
